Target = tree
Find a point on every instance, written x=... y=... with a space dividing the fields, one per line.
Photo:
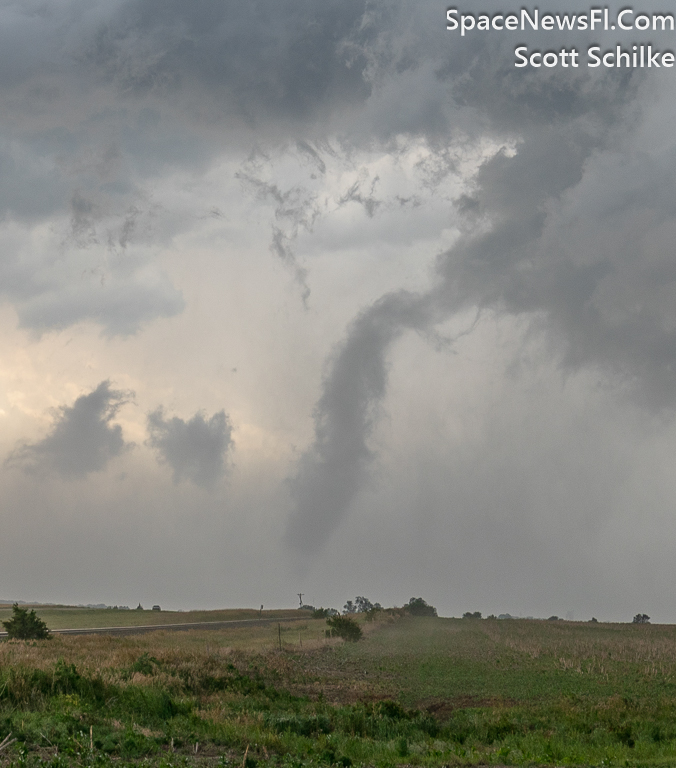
x=364 y=605
x=25 y=626
x=475 y=615
x=345 y=627
x=641 y=618
x=416 y=606
x=361 y=605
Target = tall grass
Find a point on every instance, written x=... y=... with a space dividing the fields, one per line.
x=414 y=692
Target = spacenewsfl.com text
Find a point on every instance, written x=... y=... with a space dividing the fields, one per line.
x=596 y=19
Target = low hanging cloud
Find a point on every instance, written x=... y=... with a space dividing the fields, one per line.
x=335 y=467
x=83 y=439
x=195 y=449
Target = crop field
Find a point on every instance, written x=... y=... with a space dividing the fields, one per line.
x=414 y=691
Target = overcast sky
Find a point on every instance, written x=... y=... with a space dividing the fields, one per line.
x=322 y=297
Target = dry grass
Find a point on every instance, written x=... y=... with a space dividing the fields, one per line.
x=107 y=655
x=590 y=649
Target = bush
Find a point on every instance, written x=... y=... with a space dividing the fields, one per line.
x=25 y=626
x=641 y=618
x=416 y=606
x=345 y=627
x=475 y=615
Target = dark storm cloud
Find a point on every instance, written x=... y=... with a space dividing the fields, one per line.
x=101 y=99
x=282 y=69
x=573 y=226
x=264 y=60
x=195 y=449
x=83 y=439
x=535 y=221
x=582 y=220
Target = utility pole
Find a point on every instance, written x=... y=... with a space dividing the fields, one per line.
x=300 y=597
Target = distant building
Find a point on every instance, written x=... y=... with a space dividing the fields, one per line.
x=156 y=608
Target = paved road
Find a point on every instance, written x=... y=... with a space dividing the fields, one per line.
x=173 y=627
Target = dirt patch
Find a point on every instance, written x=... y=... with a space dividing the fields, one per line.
x=338 y=694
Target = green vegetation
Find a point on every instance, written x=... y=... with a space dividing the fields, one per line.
x=415 y=691
x=345 y=628
x=416 y=606
x=25 y=625
x=324 y=613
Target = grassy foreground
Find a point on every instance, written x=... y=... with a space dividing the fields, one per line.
x=437 y=692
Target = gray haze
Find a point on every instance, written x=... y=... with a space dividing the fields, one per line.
x=435 y=294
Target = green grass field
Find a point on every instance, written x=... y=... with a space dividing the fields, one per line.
x=69 y=617
x=429 y=692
